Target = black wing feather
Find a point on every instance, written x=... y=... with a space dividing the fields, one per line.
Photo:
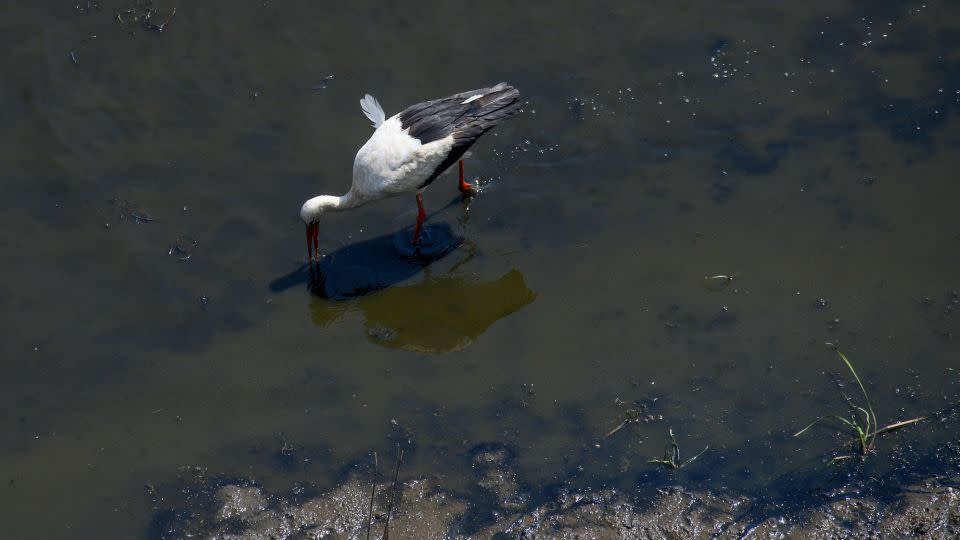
x=434 y=120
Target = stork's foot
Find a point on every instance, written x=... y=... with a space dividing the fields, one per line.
x=467 y=189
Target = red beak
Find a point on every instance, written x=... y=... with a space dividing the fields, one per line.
x=313 y=241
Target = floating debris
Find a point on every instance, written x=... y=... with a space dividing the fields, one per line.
x=286 y=447
x=143 y=15
x=635 y=415
x=182 y=248
x=671 y=455
x=718 y=282
x=129 y=211
x=140 y=218
x=82 y=8
x=324 y=83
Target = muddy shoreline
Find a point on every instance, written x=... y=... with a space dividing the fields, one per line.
x=232 y=509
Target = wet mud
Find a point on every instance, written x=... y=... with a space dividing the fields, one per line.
x=498 y=507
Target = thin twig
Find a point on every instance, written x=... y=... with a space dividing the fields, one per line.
x=898 y=425
x=839 y=459
x=373 y=493
x=618 y=428
x=393 y=499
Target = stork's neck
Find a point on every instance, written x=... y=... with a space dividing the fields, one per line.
x=332 y=202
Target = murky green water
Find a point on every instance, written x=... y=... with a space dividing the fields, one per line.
x=810 y=149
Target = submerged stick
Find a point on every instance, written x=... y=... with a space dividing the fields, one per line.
x=393 y=499
x=373 y=493
x=618 y=428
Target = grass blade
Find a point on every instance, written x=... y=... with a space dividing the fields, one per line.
x=810 y=425
x=848 y=422
x=862 y=389
x=675 y=446
x=689 y=461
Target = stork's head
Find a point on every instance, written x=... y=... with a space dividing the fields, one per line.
x=310 y=213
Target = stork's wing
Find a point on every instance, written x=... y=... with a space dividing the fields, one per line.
x=466 y=116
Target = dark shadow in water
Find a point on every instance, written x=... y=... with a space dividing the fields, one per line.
x=379 y=263
x=372 y=265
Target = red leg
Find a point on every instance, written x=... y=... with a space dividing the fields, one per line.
x=313 y=242
x=465 y=188
x=310 y=243
x=421 y=215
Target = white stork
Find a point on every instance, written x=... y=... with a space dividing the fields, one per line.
x=411 y=149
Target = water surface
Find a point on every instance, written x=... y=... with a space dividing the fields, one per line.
x=156 y=314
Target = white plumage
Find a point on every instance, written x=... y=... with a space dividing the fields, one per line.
x=371 y=107
x=409 y=150
x=392 y=162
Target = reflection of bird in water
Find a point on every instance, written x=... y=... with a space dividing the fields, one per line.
x=438 y=315
x=411 y=149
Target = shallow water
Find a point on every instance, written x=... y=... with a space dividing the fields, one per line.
x=157 y=315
